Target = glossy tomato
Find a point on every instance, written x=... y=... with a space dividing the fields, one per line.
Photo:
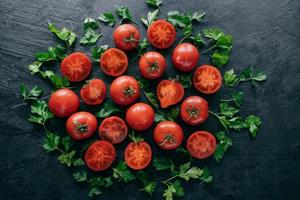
x=81 y=125
x=194 y=110
x=169 y=92
x=161 y=34
x=113 y=129
x=140 y=116
x=201 y=144
x=76 y=67
x=93 y=92
x=138 y=155
x=114 y=62
x=100 y=155
x=124 y=90
x=152 y=65
x=207 y=79
x=185 y=57
x=63 y=102
x=168 y=135
x=126 y=37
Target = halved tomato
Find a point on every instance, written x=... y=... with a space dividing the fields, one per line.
x=93 y=92
x=201 y=144
x=113 y=129
x=138 y=155
x=76 y=67
x=114 y=62
x=207 y=79
x=100 y=155
x=161 y=34
x=169 y=92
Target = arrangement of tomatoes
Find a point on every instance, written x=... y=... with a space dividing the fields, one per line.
x=125 y=91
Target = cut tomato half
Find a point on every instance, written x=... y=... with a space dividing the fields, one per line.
x=169 y=92
x=93 y=92
x=113 y=129
x=138 y=155
x=114 y=62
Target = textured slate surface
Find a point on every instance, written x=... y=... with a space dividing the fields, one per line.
x=266 y=35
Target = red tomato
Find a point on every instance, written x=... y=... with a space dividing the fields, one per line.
x=169 y=92
x=161 y=34
x=114 y=62
x=76 y=67
x=124 y=90
x=152 y=65
x=140 y=116
x=194 y=110
x=138 y=155
x=207 y=79
x=185 y=57
x=113 y=129
x=100 y=155
x=93 y=92
x=63 y=102
x=81 y=125
x=168 y=135
x=126 y=37
x=201 y=144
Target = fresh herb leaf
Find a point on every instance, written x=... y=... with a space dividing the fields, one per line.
x=124 y=13
x=224 y=42
x=96 y=184
x=151 y=98
x=56 y=80
x=206 y=177
x=107 y=109
x=90 y=37
x=80 y=176
x=224 y=143
x=197 y=39
x=144 y=83
x=35 y=67
x=236 y=123
x=173 y=114
x=230 y=78
x=187 y=172
x=168 y=193
x=40 y=112
x=253 y=123
x=220 y=58
x=78 y=162
x=185 y=80
x=178 y=19
x=67 y=158
x=249 y=74
x=51 y=142
x=197 y=16
x=134 y=138
x=154 y=3
x=162 y=163
x=173 y=189
x=53 y=53
x=212 y=33
x=187 y=30
x=31 y=95
x=97 y=52
x=238 y=98
x=90 y=23
x=227 y=110
x=122 y=173
x=64 y=34
x=149 y=186
x=107 y=18
x=151 y=16
x=159 y=117
x=67 y=143
x=179 y=189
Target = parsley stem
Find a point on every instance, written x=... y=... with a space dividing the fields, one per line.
x=185 y=37
x=214 y=114
x=207 y=50
x=60 y=150
x=169 y=179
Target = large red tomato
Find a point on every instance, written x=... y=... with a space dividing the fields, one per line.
x=140 y=116
x=126 y=37
x=185 y=57
x=93 y=92
x=152 y=65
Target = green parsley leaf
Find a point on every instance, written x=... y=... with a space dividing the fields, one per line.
x=96 y=184
x=212 y=33
x=197 y=16
x=168 y=193
x=51 y=142
x=236 y=123
x=253 y=123
x=227 y=110
x=149 y=186
x=186 y=172
x=107 y=109
x=185 y=80
x=80 y=176
x=67 y=143
x=178 y=19
x=187 y=30
x=67 y=158
x=230 y=78
x=78 y=162
x=179 y=189
x=144 y=83
x=151 y=98
x=33 y=94
x=224 y=143
x=124 y=13
x=206 y=177
x=107 y=18
x=249 y=74
x=142 y=46
x=173 y=114
x=197 y=39
x=135 y=139
x=162 y=163
x=64 y=34
x=53 y=53
x=238 y=98
x=40 y=112
x=159 y=117
x=224 y=42
x=90 y=23
x=57 y=80
x=90 y=37
x=94 y=191
x=151 y=16
x=35 y=67
x=122 y=173
x=220 y=58
x=97 y=52
x=154 y=3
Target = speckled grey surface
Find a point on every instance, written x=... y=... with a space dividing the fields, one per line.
x=266 y=35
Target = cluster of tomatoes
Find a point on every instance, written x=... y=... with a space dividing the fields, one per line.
x=125 y=90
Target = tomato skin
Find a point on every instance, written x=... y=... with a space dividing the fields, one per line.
x=100 y=155
x=76 y=67
x=81 y=125
x=63 y=102
x=138 y=155
x=207 y=79
x=152 y=65
x=126 y=37
x=169 y=92
x=201 y=144
x=124 y=90
x=113 y=129
x=114 y=62
x=185 y=57
x=168 y=135
x=140 y=116
x=93 y=92
x=161 y=34
x=194 y=110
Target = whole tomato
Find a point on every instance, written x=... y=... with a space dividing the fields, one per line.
x=126 y=37
x=152 y=65
x=185 y=57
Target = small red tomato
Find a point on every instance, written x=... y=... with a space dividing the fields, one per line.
x=169 y=92
x=93 y=92
x=152 y=65
x=113 y=129
x=100 y=155
x=81 y=125
x=63 y=102
x=140 y=116
x=201 y=144
x=76 y=67
x=168 y=135
x=194 y=110
x=207 y=79
x=138 y=155
x=126 y=37
x=185 y=57
x=114 y=62
x=124 y=90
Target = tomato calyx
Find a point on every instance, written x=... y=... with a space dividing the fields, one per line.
x=82 y=128
x=153 y=66
x=193 y=111
x=129 y=91
x=168 y=138
x=130 y=39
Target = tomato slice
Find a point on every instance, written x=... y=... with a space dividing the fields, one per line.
x=169 y=92
x=201 y=144
x=207 y=79
x=138 y=155
x=113 y=129
x=161 y=34
x=93 y=92
x=100 y=155
x=76 y=67
x=114 y=62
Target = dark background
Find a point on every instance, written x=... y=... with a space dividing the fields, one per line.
x=266 y=35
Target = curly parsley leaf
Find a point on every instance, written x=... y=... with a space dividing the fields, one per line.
x=224 y=143
x=90 y=37
x=154 y=3
x=53 y=53
x=67 y=158
x=107 y=109
x=35 y=67
x=253 y=123
x=90 y=23
x=151 y=98
x=64 y=34
x=124 y=13
x=230 y=78
x=51 y=142
x=98 y=51
x=149 y=186
x=122 y=173
x=80 y=176
x=151 y=16
x=40 y=112
x=173 y=114
x=162 y=163
x=30 y=95
x=107 y=18
x=173 y=189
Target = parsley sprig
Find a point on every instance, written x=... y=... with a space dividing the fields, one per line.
x=90 y=36
x=107 y=18
x=63 y=34
x=125 y=14
x=107 y=109
x=154 y=3
x=30 y=95
x=98 y=51
x=248 y=74
x=122 y=173
x=224 y=143
x=149 y=185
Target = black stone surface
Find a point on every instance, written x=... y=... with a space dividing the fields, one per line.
x=266 y=35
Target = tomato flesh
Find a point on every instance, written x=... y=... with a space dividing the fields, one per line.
x=93 y=92
x=113 y=129
x=114 y=62
x=138 y=155
x=169 y=92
